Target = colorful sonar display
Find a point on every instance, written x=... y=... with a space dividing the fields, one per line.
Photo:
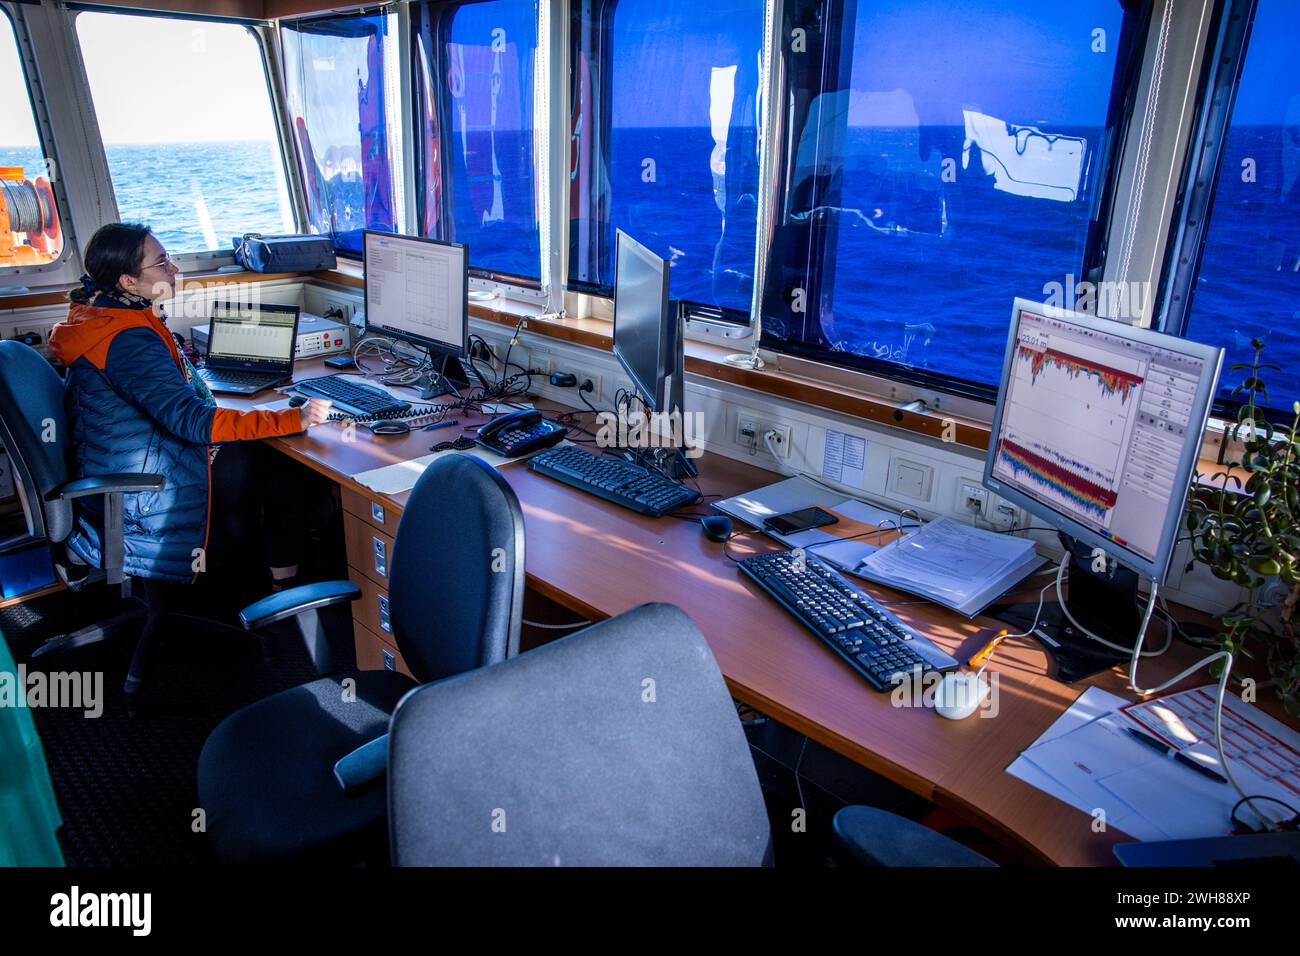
x=1056 y=476
x=1111 y=380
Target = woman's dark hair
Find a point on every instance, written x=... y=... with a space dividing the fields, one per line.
x=114 y=250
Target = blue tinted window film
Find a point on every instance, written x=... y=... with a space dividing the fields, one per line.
x=1248 y=283
x=942 y=159
x=665 y=116
x=477 y=64
x=334 y=81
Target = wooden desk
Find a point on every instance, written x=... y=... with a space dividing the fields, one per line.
x=600 y=560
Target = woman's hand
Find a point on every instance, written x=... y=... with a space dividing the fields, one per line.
x=314 y=412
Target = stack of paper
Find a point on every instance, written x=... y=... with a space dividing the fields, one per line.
x=956 y=565
x=952 y=564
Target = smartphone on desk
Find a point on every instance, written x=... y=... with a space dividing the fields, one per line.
x=795 y=521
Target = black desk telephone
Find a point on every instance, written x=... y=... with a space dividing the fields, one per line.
x=520 y=433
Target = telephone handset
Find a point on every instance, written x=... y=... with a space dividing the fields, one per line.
x=520 y=433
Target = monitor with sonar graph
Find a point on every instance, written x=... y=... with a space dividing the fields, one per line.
x=1097 y=431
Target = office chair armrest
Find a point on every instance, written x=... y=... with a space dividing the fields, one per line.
x=122 y=484
x=305 y=597
x=363 y=766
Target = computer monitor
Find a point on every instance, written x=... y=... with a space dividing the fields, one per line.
x=647 y=328
x=416 y=290
x=648 y=340
x=1097 y=430
x=1098 y=427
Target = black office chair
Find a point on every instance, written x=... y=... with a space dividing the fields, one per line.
x=617 y=746
x=34 y=430
x=300 y=775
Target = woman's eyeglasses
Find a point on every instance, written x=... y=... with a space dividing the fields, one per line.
x=162 y=263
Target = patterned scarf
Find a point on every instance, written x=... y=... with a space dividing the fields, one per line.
x=121 y=299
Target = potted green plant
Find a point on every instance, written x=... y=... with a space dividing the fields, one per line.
x=1248 y=532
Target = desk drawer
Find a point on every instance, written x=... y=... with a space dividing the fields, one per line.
x=376 y=654
x=371 y=512
x=370 y=551
x=372 y=609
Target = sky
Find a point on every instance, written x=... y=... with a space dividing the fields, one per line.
x=155 y=81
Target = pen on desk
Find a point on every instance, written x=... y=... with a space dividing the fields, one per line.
x=1161 y=747
x=447 y=424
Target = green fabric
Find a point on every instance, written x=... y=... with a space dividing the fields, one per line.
x=29 y=814
x=200 y=387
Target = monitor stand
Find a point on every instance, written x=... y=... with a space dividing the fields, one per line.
x=447 y=380
x=1105 y=604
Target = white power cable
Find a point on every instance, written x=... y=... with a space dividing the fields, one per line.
x=1137 y=653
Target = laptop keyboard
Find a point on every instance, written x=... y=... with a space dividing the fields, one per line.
x=240 y=378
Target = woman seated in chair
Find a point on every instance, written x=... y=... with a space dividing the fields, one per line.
x=135 y=404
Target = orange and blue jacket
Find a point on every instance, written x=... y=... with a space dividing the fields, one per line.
x=132 y=408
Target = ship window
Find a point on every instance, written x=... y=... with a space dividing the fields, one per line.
x=940 y=159
x=30 y=230
x=665 y=117
x=338 y=76
x=191 y=141
x=1248 y=285
x=475 y=71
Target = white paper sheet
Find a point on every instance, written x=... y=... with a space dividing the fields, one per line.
x=394 y=479
x=1090 y=706
x=844 y=458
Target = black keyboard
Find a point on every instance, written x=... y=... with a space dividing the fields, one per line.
x=876 y=644
x=613 y=479
x=353 y=398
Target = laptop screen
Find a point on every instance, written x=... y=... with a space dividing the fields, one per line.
x=252 y=335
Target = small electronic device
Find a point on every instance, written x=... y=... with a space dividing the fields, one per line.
x=388 y=426
x=716 y=527
x=341 y=361
x=959 y=694
x=520 y=433
x=620 y=482
x=250 y=348
x=802 y=520
x=858 y=628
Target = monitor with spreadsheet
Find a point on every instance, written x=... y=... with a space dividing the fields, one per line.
x=1098 y=427
x=416 y=290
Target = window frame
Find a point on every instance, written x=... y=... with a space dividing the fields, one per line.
x=1189 y=227
x=203 y=260
x=1124 y=94
x=69 y=258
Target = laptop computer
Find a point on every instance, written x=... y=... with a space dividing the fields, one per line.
x=250 y=347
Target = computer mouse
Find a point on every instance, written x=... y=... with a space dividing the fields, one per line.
x=387 y=426
x=716 y=527
x=297 y=401
x=958 y=694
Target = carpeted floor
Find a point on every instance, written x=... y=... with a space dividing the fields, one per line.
x=126 y=784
